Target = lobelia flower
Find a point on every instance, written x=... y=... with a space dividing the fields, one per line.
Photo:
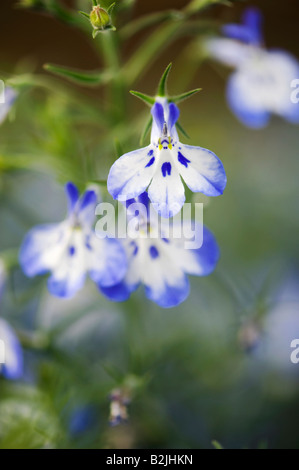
x=70 y=249
x=261 y=84
x=8 y=99
x=162 y=262
x=161 y=166
x=11 y=364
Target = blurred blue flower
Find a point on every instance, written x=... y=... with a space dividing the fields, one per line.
x=160 y=166
x=70 y=249
x=10 y=96
x=119 y=401
x=11 y=364
x=161 y=262
x=82 y=419
x=261 y=84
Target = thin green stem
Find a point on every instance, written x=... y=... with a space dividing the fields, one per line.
x=116 y=88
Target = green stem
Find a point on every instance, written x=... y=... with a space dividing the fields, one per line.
x=116 y=88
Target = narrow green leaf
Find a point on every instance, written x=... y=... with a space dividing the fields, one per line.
x=139 y=24
x=79 y=76
x=217 y=445
x=109 y=9
x=86 y=15
x=149 y=100
x=146 y=130
x=94 y=2
x=184 y=96
x=163 y=82
x=197 y=5
x=182 y=130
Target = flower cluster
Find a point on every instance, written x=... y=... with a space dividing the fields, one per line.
x=261 y=83
x=156 y=175
x=158 y=260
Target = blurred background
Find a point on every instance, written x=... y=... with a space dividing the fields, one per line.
x=218 y=366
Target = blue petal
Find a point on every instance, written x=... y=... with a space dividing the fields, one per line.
x=115 y=264
x=250 y=32
x=206 y=257
x=253 y=19
x=141 y=199
x=239 y=32
x=144 y=199
x=174 y=114
x=86 y=208
x=158 y=115
x=118 y=293
x=67 y=287
x=89 y=198
x=169 y=296
x=13 y=367
x=72 y=194
x=242 y=107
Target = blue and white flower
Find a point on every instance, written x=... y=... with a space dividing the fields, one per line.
x=261 y=83
x=70 y=249
x=161 y=262
x=162 y=165
x=9 y=96
x=11 y=354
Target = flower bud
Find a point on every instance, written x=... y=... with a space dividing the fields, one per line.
x=99 y=18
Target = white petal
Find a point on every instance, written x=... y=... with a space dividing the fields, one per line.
x=201 y=170
x=69 y=275
x=229 y=51
x=166 y=190
x=131 y=174
x=107 y=261
x=43 y=247
x=164 y=280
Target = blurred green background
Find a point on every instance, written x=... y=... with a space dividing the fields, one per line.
x=218 y=366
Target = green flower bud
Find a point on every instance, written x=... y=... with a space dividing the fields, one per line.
x=99 y=18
